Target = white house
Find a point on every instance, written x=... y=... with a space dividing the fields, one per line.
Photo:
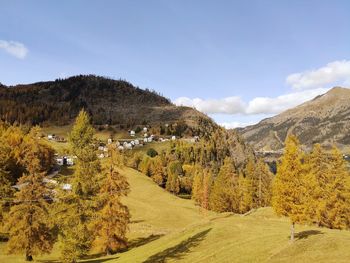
x=70 y=161
x=109 y=141
x=137 y=142
x=132 y=143
x=145 y=135
x=101 y=155
x=145 y=129
x=128 y=146
x=173 y=137
x=100 y=148
x=59 y=160
x=51 y=136
x=132 y=133
x=120 y=147
x=67 y=187
x=105 y=149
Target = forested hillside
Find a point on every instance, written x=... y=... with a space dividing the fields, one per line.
x=108 y=101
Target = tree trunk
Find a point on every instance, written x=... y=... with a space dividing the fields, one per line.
x=292 y=230
x=29 y=257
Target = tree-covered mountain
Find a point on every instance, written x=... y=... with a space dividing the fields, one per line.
x=325 y=120
x=108 y=101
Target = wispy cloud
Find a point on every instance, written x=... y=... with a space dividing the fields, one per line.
x=229 y=105
x=14 y=48
x=334 y=73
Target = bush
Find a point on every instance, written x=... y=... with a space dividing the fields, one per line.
x=152 y=152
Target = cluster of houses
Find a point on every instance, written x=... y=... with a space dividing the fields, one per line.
x=53 y=137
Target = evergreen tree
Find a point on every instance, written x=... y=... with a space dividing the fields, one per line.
x=288 y=188
x=113 y=218
x=206 y=188
x=264 y=184
x=28 y=222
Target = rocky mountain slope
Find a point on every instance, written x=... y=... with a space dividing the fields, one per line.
x=325 y=120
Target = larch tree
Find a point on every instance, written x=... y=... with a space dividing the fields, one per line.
x=113 y=217
x=223 y=197
x=264 y=184
x=28 y=222
x=288 y=187
x=197 y=187
x=173 y=182
x=77 y=207
x=335 y=212
x=157 y=173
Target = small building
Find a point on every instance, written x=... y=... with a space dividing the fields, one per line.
x=132 y=133
x=109 y=141
x=145 y=135
x=137 y=142
x=120 y=148
x=100 y=148
x=173 y=138
x=128 y=146
x=67 y=187
x=145 y=129
x=70 y=161
x=59 y=161
x=51 y=136
x=101 y=155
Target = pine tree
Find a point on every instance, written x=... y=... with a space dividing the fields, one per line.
x=78 y=206
x=113 y=218
x=28 y=222
x=288 y=185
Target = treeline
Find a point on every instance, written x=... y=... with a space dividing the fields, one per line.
x=219 y=172
x=60 y=101
x=88 y=214
x=312 y=188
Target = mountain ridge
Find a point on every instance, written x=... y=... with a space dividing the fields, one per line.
x=324 y=119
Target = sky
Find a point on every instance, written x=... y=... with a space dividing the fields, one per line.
x=237 y=61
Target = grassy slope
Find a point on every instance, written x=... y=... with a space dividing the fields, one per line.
x=167 y=229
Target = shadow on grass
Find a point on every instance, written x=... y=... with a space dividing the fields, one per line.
x=143 y=241
x=307 y=233
x=96 y=260
x=179 y=251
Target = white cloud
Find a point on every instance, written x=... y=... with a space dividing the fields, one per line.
x=235 y=124
x=258 y=105
x=229 y=105
x=13 y=48
x=268 y=105
x=337 y=72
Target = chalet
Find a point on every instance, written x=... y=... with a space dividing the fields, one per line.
x=137 y=142
x=128 y=146
x=109 y=141
x=65 y=160
x=51 y=136
x=132 y=133
x=145 y=129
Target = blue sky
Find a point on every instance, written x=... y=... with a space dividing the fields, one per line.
x=238 y=61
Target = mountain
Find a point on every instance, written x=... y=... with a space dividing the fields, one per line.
x=325 y=120
x=113 y=102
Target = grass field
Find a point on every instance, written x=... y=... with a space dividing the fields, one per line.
x=166 y=228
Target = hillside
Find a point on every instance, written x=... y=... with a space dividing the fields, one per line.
x=166 y=228
x=113 y=102
x=325 y=120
